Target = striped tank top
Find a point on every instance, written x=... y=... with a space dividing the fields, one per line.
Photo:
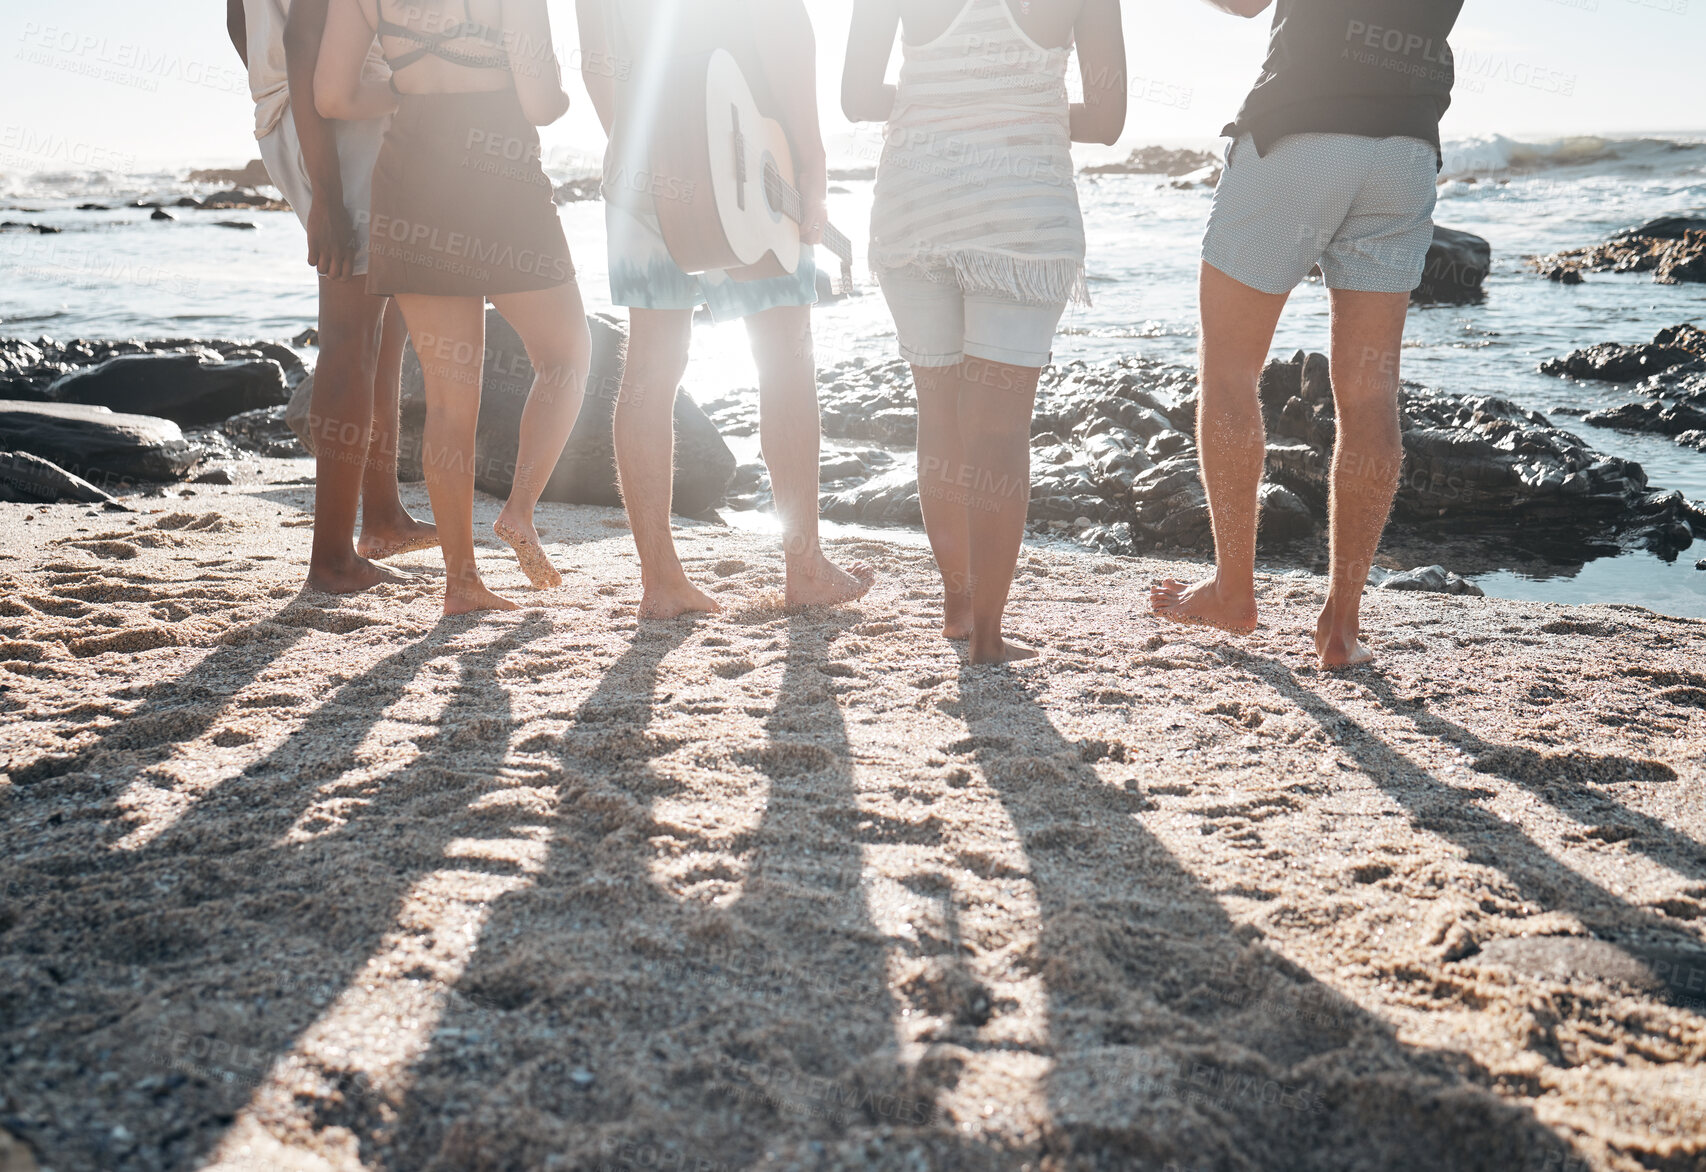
x=976 y=180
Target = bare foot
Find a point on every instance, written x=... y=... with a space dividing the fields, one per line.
x=823 y=583
x=673 y=602
x=1203 y=604
x=518 y=533
x=1341 y=647
x=350 y=577
x=1002 y=651
x=388 y=540
x=956 y=616
x=473 y=598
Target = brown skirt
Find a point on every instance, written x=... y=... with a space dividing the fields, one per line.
x=461 y=206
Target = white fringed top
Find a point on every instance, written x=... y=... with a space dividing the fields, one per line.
x=976 y=173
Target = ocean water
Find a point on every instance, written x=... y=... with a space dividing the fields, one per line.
x=119 y=274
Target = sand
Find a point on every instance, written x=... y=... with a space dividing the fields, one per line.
x=302 y=883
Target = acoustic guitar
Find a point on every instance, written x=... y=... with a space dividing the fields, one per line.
x=739 y=210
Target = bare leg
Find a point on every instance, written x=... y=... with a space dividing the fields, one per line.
x=1237 y=329
x=341 y=415
x=790 y=432
x=1368 y=329
x=450 y=338
x=644 y=431
x=387 y=529
x=995 y=407
x=942 y=482
x=552 y=325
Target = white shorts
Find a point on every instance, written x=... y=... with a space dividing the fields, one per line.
x=938 y=324
x=358 y=150
x=1360 y=207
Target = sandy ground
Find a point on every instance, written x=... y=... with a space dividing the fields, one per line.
x=298 y=883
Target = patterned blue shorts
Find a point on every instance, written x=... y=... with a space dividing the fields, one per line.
x=643 y=275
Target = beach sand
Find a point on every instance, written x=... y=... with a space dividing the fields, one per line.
x=299 y=883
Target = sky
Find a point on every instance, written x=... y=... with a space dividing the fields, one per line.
x=121 y=85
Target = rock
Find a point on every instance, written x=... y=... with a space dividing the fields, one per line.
x=1457 y=264
x=1665 y=228
x=25 y=477
x=850 y=173
x=1433 y=579
x=239 y=198
x=308 y=337
x=94 y=207
x=253 y=174
x=162 y=214
x=242 y=225
x=186 y=201
x=586 y=474
x=889 y=499
x=1469 y=460
x=1672 y=248
x=1672 y=370
x=579 y=190
x=38 y=229
x=188 y=389
x=1157 y=160
x=1208 y=176
x=107 y=449
x=266 y=431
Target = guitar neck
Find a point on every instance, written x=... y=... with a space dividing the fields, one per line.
x=785 y=196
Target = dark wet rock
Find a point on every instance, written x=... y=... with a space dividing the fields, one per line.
x=28 y=369
x=1666 y=228
x=186 y=201
x=579 y=191
x=1472 y=462
x=108 y=449
x=1157 y=160
x=241 y=225
x=1669 y=372
x=253 y=174
x=1457 y=265
x=38 y=229
x=94 y=207
x=586 y=474
x=308 y=337
x=1671 y=348
x=188 y=389
x=1114 y=464
x=1431 y=579
x=265 y=431
x=162 y=214
x=1672 y=248
x=1208 y=176
x=29 y=478
x=239 y=198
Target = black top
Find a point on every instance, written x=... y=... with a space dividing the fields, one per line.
x=1376 y=68
x=438 y=44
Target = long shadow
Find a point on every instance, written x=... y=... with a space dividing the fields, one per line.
x=1565 y=781
x=639 y=1029
x=531 y=988
x=1675 y=955
x=1179 y=1039
x=278 y=927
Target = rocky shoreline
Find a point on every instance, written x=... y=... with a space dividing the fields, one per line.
x=1669 y=372
x=1672 y=248
x=1114 y=454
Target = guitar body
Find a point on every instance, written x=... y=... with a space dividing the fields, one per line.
x=713 y=138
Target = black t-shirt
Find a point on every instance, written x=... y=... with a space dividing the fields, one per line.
x=1377 y=68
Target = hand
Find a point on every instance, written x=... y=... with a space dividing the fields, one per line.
x=331 y=238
